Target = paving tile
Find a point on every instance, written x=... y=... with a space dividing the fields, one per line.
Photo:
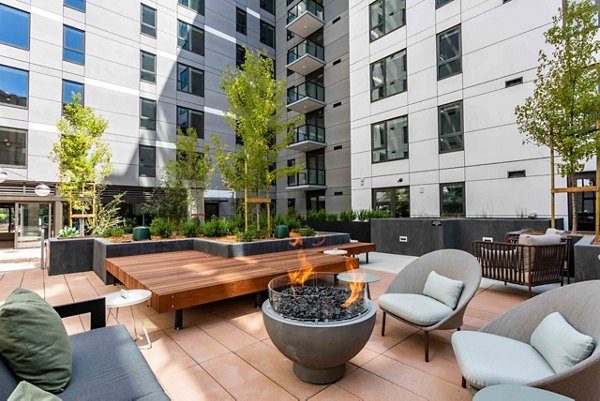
x=194 y=384
x=166 y=356
x=228 y=334
x=197 y=343
x=278 y=368
x=252 y=324
x=243 y=381
x=334 y=393
x=367 y=386
x=363 y=357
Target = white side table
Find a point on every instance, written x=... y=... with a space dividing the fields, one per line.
x=359 y=276
x=124 y=298
x=336 y=252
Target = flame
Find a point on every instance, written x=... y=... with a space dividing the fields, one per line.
x=300 y=276
x=297 y=242
x=356 y=289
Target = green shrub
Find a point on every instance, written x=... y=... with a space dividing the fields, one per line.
x=306 y=231
x=161 y=227
x=321 y=215
x=293 y=222
x=246 y=236
x=331 y=217
x=363 y=214
x=190 y=228
x=68 y=232
x=347 y=215
x=379 y=214
x=113 y=232
x=216 y=227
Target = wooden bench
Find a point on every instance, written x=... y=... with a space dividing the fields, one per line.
x=184 y=279
x=353 y=248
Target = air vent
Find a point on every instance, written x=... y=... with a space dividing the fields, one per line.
x=516 y=174
x=338 y=193
x=337 y=147
x=336 y=62
x=513 y=82
x=338 y=104
x=336 y=19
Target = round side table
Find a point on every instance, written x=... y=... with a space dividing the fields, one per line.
x=512 y=392
x=358 y=276
x=124 y=298
x=336 y=252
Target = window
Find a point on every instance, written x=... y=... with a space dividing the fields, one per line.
x=76 y=4
x=451 y=127
x=449 y=53
x=147 y=66
x=147 y=165
x=267 y=34
x=390 y=139
x=73 y=45
x=13 y=151
x=388 y=76
x=191 y=38
x=148 y=21
x=452 y=199
x=14 y=27
x=439 y=3
x=196 y=5
x=268 y=6
x=386 y=16
x=14 y=85
x=188 y=118
x=190 y=80
x=240 y=55
x=292 y=180
x=393 y=200
x=148 y=114
x=290 y=35
x=240 y=20
x=70 y=89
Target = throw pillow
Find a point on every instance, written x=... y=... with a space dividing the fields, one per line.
x=34 y=342
x=443 y=289
x=561 y=345
x=26 y=391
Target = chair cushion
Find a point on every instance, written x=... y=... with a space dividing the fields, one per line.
x=443 y=289
x=554 y=231
x=106 y=361
x=532 y=240
x=34 y=342
x=415 y=308
x=487 y=359
x=561 y=345
x=26 y=391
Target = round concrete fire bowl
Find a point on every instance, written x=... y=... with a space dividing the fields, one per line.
x=319 y=348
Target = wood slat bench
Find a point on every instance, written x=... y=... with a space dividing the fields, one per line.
x=353 y=248
x=184 y=279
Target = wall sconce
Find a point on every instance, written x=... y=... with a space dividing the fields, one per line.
x=362 y=181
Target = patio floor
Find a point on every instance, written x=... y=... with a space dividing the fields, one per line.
x=224 y=352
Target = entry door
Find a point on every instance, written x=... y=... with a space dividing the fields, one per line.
x=29 y=219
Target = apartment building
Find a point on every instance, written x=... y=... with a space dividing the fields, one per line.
x=434 y=85
x=149 y=67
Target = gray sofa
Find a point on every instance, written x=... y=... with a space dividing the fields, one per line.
x=107 y=365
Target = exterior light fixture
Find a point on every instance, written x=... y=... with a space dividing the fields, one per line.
x=41 y=189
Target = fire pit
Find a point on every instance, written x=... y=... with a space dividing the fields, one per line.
x=318 y=322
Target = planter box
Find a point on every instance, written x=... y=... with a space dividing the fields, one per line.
x=358 y=230
x=73 y=255
x=587 y=265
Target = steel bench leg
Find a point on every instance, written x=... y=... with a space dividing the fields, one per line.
x=179 y=319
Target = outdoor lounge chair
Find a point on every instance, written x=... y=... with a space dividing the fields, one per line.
x=451 y=263
x=480 y=361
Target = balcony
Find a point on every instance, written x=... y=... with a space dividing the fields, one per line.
x=308 y=137
x=306 y=97
x=309 y=179
x=306 y=57
x=305 y=18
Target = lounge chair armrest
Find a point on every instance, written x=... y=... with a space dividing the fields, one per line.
x=96 y=307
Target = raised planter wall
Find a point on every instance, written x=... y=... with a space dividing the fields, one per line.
x=358 y=230
x=587 y=265
x=72 y=255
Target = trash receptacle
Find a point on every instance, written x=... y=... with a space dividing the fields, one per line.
x=141 y=233
x=282 y=231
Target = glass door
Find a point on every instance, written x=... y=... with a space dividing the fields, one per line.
x=29 y=219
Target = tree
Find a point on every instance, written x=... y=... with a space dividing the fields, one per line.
x=190 y=169
x=257 y=116
x=82 y=156
x=564 y=107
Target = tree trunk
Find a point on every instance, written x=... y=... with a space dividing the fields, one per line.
x=573 y=207
x=268 y=211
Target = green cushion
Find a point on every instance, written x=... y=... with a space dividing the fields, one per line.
x=26 y=391
x=34 y=341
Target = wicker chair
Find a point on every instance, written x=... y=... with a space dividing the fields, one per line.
x=578 y=303
x=529 y=265
x=452 y=263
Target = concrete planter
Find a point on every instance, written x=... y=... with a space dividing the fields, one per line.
x=358 y=230
x=587 y=265
x=70 y=255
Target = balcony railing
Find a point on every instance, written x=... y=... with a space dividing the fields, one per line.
x=305 y=18
x=306 y=90
x=309 y=132
x=306 y=47
x=302 y=7
x=307 y=177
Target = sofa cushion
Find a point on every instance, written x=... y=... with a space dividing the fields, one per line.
x=34 y=342
x=8 y=380
x=415 y=308
x=533 y=240
x=487 y=359
x=26 y=391
x=554 y=231
x=443 y=289
x=561 y=345
x=108 y=364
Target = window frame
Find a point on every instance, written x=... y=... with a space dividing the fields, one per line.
x=26 y=107
x=142 y=70
x=373 y=161
x=75 y=7
x=384 y=74
x=188 y=45
x=63 y=92
x=65 y=48
x=241 y=29
x=153 y=148
x=28 y=29
x=143 y=24
x=189 y=113
x=200 y=11
x=142 y=100
x=384 y=2
x=464 y=198
x=265 y=24
x=454 y=134
x=267 y=9
x=393 y=199
x=443 y=3
x=190 y=72
x=459 y=57
x=26 y=133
